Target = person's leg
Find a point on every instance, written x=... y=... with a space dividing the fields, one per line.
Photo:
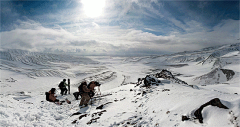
x=65 y=91
x=82 y=101
x=87 y=98
x=75 y=94
x=79 y=94
x=62 y=91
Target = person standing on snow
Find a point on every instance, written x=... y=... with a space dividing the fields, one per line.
x=83 y=91
x=91 y=86
x=62 y=87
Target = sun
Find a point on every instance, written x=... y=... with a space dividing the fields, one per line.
x=93 y=8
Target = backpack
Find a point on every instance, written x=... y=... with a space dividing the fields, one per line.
x=81 y=87
x=91 y=93
x=61 y=84
x=47 y=96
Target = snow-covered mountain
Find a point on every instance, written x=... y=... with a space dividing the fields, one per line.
x=182 y=89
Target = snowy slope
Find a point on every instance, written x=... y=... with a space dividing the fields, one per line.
x=26 y=76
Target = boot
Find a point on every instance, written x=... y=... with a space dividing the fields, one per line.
x=69 y=102
x=75 y=95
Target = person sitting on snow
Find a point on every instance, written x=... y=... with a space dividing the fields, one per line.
x=51 y=97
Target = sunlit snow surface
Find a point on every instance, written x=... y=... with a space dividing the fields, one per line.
x=26 y=76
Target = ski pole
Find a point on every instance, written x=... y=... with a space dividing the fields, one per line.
x=68 y=86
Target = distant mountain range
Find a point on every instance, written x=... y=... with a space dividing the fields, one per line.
x=37 y=64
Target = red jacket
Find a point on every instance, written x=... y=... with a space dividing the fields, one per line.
x=51 y=96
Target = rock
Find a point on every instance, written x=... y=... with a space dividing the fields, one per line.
x=143 y=93
x=216 y=76
x=213 y=102
x=77 y=113
x=169 y=76
x=229 y=73
x=84 y=115
x=74 y=121
x=101 y=106
x=185 y=118
x=165 y=90
x=93 y=120
x=150 y=80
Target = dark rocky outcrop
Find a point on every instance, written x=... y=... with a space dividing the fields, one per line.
x=185 y=118
x=213 y=102
x=101 y=106
x=151 y=80
x=76 y=113
x=169 y=76
x=215 y=76
x=229 y=73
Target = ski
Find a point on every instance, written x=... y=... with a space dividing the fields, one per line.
x=68 y=86
x=101 y=96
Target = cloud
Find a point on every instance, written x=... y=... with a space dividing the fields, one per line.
x=133 y=27
x=31 y=34
x=112 y=40
x=226 y=32
x=83 y=43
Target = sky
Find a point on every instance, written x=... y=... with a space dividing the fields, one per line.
x=118 y=27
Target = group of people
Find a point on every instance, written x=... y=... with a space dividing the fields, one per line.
x=86 y=91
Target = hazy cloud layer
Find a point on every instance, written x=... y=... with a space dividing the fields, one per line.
x=125 y=27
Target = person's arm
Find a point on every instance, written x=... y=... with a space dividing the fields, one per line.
x=52 y=97
x=92 y=85
x=85 y=89
x=65 y=84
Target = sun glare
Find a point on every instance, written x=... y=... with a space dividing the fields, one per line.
x=93 y=8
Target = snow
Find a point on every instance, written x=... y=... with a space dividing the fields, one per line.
x=231 y=54
x=23 y=100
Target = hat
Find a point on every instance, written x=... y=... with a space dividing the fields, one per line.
x=53 y=90
x=97 y=84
